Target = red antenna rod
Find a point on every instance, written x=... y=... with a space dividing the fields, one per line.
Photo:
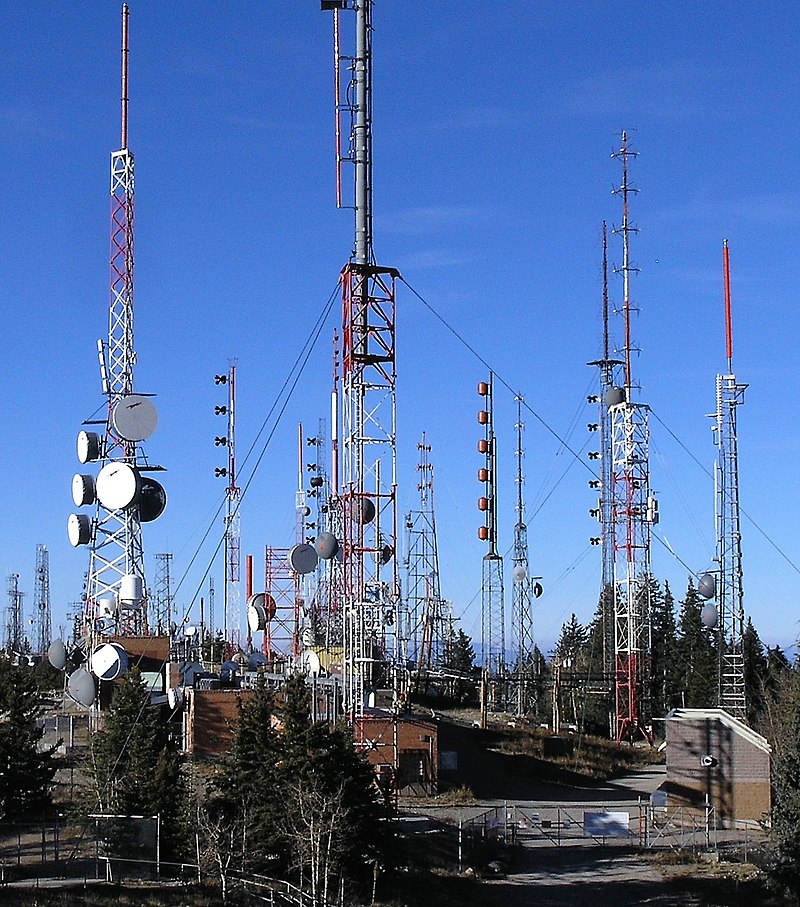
x=125 y=14
x=726 y=270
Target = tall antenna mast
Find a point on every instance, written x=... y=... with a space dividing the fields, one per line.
x=428 y=617
x=232 y=590
x=368 y=495
x=493 y=633
x=525 y=589
x=123 y=494
x=730 y=594
x=610 y=394
x=634 y=512
x=43 y=613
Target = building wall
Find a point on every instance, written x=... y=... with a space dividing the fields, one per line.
x=738 y=785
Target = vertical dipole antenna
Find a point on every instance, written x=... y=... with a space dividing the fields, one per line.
x=362 y=133
x=125 y=14
x=726 y=267
x=626 y=229
x=337 y=95
x=605 y=292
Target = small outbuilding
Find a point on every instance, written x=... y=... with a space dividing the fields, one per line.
x=712 y=754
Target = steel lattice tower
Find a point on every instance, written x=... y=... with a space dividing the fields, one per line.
x=14 y=638
x=428 y=617
x=43 y=617
x=730 y=594
x=116 y=593
x=370 y=587
x=634 y=511
x=609 y=393
x=523 y=591
x=493 y=632
x=163 y=592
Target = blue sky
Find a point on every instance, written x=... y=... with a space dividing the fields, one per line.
x=493 y=129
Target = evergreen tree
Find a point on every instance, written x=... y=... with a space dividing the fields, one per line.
x=572 y=662
x=755 y=672
x=785 y=871
x=460 y=659
x=665 y=689
x=695 y=656
x=25 y=770
x=136 y=770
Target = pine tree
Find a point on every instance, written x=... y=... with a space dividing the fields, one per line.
x=136 y=770
x=665 y=687
x=25 y=770
x=785 y=869
x=695 y=656
x=460 y=659
x=755 y=672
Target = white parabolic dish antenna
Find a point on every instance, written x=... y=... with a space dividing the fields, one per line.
x=88 y=446
x=118 y=486
x=135 y=418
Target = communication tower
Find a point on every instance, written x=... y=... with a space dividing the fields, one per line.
x=428 y=616
x=15 y=639
x=43 y=627
x=370 y=586
x=493 y=633
x=634 y=509
x=524 y=590
x=163 y=592
x=123 y=494
x=730 y=594
x=232 y=589
x=604 y=512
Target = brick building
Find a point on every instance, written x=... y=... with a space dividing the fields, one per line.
x=711 y=753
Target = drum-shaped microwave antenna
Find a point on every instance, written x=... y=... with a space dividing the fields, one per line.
x=109 y=661
x=707 y=585
x=326 y=545
x=79 y=529
x=83 y=490
x=152 y=500
x=88 y=446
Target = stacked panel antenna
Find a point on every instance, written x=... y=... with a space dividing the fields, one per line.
x=493 y=631
x=604 y=511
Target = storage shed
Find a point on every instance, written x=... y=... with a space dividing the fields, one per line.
x=711 y=753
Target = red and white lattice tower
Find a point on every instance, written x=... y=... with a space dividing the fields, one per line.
x=730 y=594
x=370 y=585
x=634 y=511
x=116 y=591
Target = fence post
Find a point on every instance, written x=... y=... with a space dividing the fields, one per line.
x=558 y=827
x=460 y=846
x=708 y=829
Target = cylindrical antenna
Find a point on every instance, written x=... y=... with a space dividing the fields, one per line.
x=626 y=299
x=335 y=418
x=362 y=133
x=726 y=269
x=337 y=102
x=299 y=456
x=125 y=15
x=605 y=292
